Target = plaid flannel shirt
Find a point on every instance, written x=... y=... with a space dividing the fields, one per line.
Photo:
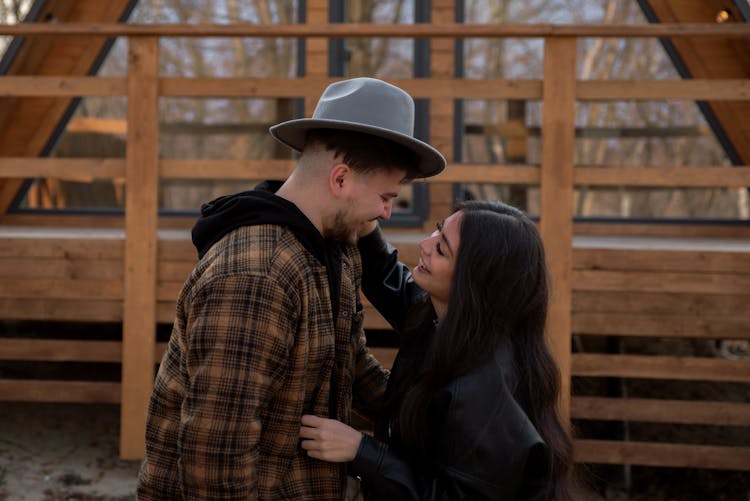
x=253 y=348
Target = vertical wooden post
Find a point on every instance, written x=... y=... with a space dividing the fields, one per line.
x=141 y=213
x=556 y=226
x=442 y=65
x=316 y=52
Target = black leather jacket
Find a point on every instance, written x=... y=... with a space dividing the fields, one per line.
x=486 y=447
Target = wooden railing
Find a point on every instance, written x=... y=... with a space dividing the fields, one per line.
x=557 y=175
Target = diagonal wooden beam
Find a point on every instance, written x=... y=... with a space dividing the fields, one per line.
x=713 y=58
x=28 y=124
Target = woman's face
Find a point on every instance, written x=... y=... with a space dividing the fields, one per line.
x=437 y=260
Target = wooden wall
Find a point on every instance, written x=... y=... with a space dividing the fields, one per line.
x=130 y=270
x=623 y=287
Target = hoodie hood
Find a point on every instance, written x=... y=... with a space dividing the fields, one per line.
x=252 y=208
x=260 y=206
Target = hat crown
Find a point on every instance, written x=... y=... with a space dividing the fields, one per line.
x=368 y=106
x=369 y=102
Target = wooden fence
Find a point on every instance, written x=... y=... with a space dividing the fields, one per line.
x=94 y=273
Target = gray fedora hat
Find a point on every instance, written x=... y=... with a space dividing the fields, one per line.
x=366 y=105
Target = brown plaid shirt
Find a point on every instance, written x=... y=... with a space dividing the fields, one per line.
x=252 y=349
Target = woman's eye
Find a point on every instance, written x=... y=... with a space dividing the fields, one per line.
x=439 y=249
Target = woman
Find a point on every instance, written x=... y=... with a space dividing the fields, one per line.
x=470 y=407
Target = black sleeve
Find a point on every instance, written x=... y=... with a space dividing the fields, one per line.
x=481 y=452
x=387 y=283
x=386 y=475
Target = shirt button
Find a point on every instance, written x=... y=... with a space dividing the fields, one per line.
x=345 y=314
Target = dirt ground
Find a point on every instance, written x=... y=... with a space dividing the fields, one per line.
x=62 y=452
x=68 y=452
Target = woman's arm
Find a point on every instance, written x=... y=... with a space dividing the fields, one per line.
x=387 y=282
x=383 y=473
x=484 y=447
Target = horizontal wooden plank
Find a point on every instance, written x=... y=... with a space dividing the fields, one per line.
x=38 y=85
x=366 y=30
x=651 y=303
x=88 y=169
x=71 y=169
x=279 y=169
x=225 y=169
x=70 y=247
x=652 y=410
x=174 y=271
x=60 y=288
x=85 y=392
x=65 y=350
x=660 y=367
x=434 y=88
x=177 y=249
x=87 y=242
x=655 y=454
x=665 y=177
x=652 y=281
x=646 y=90
x=479 y=173
x=166 y=291
x=102 y=125
x=58 y=350
x=678 y=325
x=165 y=311
x=651 y=242
x=71 y=269
x=678 y=229
x=661 y=260
x=58 y=309
x=312 y=87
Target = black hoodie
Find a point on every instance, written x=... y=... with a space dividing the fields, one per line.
x=261 y=206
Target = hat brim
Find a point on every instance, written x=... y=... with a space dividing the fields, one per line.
x=294 y=132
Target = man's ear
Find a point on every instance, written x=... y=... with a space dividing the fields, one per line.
x=339 y=179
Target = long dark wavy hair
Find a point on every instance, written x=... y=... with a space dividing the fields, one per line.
x=499 y=297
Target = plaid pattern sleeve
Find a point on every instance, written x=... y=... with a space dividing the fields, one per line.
x=239 y=329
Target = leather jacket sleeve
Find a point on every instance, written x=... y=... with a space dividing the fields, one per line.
x=484 y=448
x=387 y=283
x=386 y=475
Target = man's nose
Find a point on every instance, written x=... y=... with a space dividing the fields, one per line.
x=387 y=209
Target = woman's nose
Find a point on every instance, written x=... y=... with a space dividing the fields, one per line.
x=426 y=244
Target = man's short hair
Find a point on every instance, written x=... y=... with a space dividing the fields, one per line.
x=365 y=153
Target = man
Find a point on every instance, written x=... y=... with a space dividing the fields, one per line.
x=269 y=324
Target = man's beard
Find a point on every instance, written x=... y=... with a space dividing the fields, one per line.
x=341 y=230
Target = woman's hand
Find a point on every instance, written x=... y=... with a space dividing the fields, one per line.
x=328 y=439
